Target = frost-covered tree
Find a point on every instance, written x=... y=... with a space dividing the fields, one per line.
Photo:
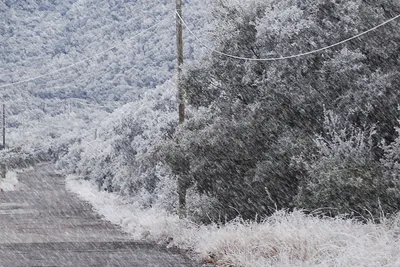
x=123 y=158
x=262 y=115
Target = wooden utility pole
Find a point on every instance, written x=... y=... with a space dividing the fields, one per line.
x=4 y=126
x=181 y=100
x=179 y=42
x=3 y=169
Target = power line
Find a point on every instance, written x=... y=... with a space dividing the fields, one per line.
x=79 y=62
x=77 y=100
x=50 y=125
x=285 y=57
x=81 y=102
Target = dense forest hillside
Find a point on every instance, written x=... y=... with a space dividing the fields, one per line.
x=108 y=52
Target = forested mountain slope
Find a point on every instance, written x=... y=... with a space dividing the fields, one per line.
x=109 y=53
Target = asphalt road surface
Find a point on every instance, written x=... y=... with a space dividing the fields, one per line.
x=42 y=224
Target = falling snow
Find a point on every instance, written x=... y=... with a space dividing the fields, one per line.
x=287 y=154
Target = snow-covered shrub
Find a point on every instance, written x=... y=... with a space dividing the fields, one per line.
x=123 y=158
x=126 y=158
x=16 y=158
x=344 y=177
x=391 y=163
x=391 y=160
x=236 y=161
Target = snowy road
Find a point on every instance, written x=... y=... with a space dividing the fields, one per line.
x=42 y=224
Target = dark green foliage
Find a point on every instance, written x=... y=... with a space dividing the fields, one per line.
x=258 y=141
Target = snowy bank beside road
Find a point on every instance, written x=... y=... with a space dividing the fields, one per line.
x=10 y=183
x=282 y=240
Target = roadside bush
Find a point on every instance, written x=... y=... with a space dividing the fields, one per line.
x=344 y=177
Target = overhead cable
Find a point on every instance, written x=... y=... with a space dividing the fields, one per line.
x=84 y=103
x=290 y=56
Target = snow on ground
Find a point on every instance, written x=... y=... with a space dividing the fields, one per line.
x=282 y=240
x=10 y=183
